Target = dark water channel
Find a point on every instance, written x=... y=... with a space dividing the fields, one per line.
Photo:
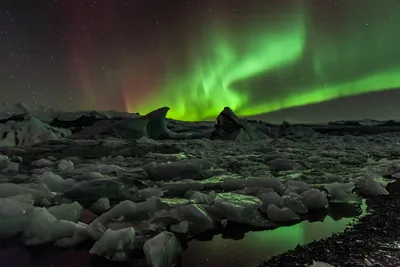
x=236 y=247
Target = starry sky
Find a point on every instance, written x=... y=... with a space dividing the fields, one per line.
x=296 y=60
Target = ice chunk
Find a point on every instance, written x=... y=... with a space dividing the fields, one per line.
x=11 y=167
x=254 y=191
x=280 y=215
x=283 y=165
x=80 y=234
x=95 y=189
x=92 y=176
x=163 y=250
x=69 y=212
x=182 y=227
x=201 y=198
x=38 y=192
x=100 y=168
x=101 y=205
x=44 y=227
x=115 y=245
x=184 y=169
x=237 y=208
x=150 y=192
x=126 y=209
x=320 y=264
x=368 y=185
x=15 y=214
x=236 y=204
x=16 y=205
x=341 y=192
x=65 y=165
x=262 y=182
x=198 y=219
x=28 y=132
x=147 y=141
x=314 y=199
x=4 y=158
x=41 y=163
x=180 y=188
x=294 y=202
x=330 y=178
x=297 y=187
x=270 y=198
x=55 y=182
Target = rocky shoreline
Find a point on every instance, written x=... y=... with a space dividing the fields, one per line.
x=373 y=241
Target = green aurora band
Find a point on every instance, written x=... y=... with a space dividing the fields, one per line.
x=286 y=62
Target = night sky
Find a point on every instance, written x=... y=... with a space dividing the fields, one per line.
x=294 y=59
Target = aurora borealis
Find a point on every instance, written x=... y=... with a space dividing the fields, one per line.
x=197 y=57
x=303 y=67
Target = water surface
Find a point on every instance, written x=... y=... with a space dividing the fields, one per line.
x=234 y=248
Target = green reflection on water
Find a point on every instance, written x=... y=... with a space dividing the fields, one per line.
x=261 y=245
